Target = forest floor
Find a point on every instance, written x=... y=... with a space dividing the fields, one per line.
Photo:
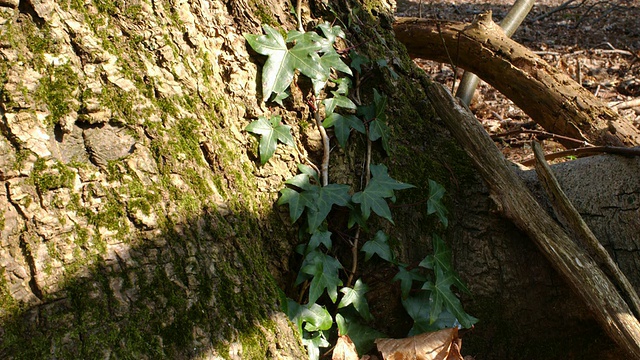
x=595 y=42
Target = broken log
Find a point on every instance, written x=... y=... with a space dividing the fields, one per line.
x=552 y=99
x=518 y=205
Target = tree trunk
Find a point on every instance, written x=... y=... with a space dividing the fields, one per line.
x=136 y=221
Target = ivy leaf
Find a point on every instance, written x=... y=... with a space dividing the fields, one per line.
x=324 y=269
x=356 y=298
x=313 y=316
x=434 y=204
x=331 y=32
x=379 y=246
x=418 y=307
x=301 y=181
x=332 y=60
x=356 y=217
x=380 y=176
x=319 y=237
x=380 y=187
x=372 y=199
x=314 y=343
x=441 y=261
x=309 y=171
x=271 y=131
x=406 y=278
x=363 y=337
x=358 y=60
x=296 y=202
x=342 y=126
x=282 y=62
x=378 y=127
x=441 y=294
x=342 y=101
x=332 y=194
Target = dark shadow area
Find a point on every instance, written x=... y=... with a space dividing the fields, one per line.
x=180 y=294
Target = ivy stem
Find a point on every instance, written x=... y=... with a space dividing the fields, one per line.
x=354 y=248
x=324 y=167
x=299 y=15
x=354 y=254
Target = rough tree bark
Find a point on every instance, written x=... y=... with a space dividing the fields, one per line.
x=135 y=221
x=550 y=97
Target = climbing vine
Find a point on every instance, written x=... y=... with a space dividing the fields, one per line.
x=323 y=281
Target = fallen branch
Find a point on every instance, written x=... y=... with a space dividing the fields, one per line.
x=550 y=97
x=517 y=204
x=572 y=221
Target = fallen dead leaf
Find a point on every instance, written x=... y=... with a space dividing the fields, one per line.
x=439 y=345
x=345 y=349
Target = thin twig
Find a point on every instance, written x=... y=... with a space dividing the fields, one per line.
x=543 y=133
x=453 y=66
x=588 y=151
x=625 y=104
x=563 y=6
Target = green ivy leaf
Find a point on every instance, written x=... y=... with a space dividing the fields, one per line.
x=380 y=176
x=331 y=32
x=372 y=199
x=406 y=278
x=358 y=60
x=302 y=181
x=282 y=62
x=314 y=343
x=320 y=237
x=356 y=217
x=441 y=294
x=312 y=317
x=434 y=203
x=378 y=127
x=441 y=261
x=324 y=269
x=379 y=246
x=337 y=100
x=418 y=307
x=296 y=202
x=380 y=187
x=309 y=171
x=342 y=126
x=363 y=337
x=332 y=194
x=271 y=131
x=356 y=298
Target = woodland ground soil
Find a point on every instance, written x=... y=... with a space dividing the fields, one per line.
x=596 y=41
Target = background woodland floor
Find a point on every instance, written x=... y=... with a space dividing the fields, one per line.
x=597 y=41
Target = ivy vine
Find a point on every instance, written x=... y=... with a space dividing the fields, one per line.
x=426 y=289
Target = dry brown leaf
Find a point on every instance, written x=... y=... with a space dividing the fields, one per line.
x=439 y=345
x=345 y=349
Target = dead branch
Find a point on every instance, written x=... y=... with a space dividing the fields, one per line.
x=551 y=98
x=573 y=222
x=517 y=204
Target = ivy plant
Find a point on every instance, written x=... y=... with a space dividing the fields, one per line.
x=323 y=281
